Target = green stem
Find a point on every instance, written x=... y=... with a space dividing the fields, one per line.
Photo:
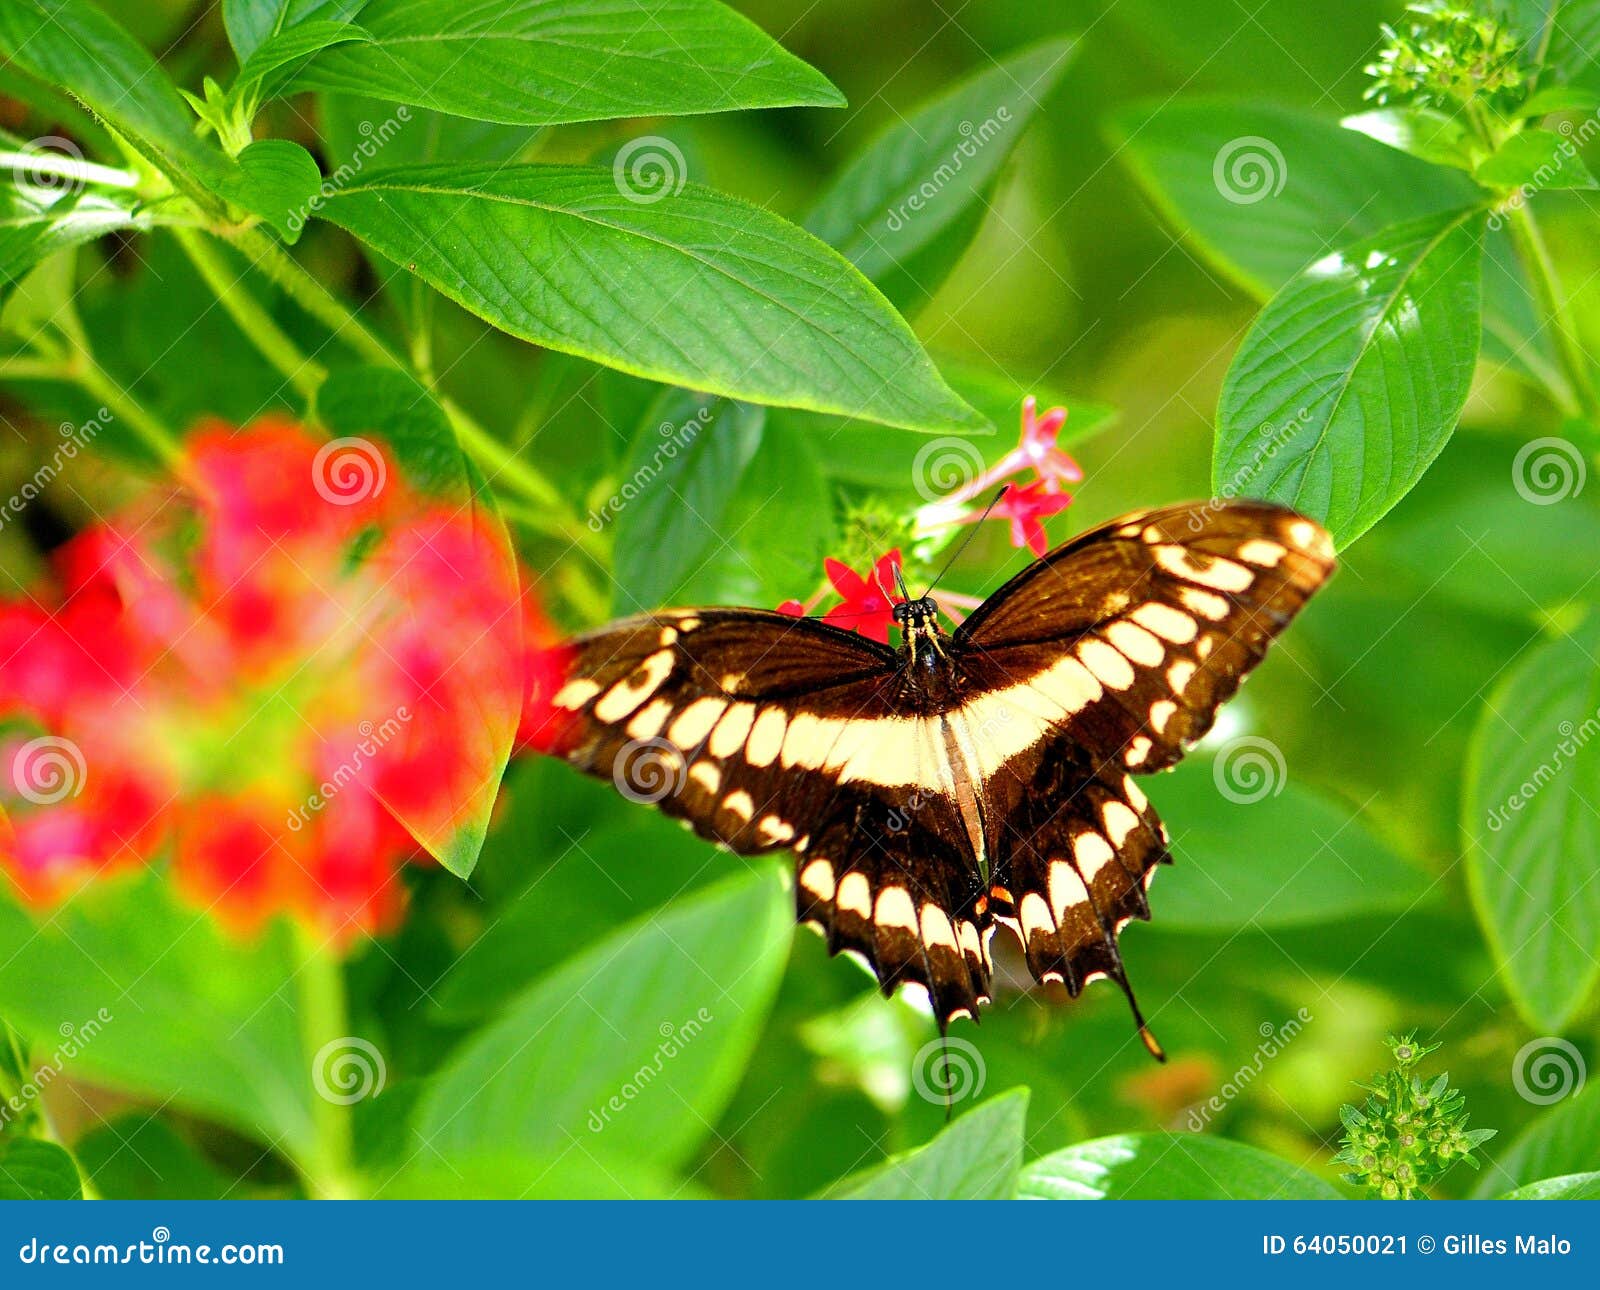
x=503 y=463
x=330 y=1171
x=27 y=367
x=304 y=373
x=100 y=385
x=1541 y=271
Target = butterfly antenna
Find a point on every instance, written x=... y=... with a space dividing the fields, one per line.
x=971 y=532
x=900 y=582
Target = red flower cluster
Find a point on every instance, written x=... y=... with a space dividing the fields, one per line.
x=284 y=679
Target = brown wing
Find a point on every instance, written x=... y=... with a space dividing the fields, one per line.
x=764 y=732
x=1126 y=640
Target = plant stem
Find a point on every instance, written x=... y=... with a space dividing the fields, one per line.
x=304 y=373
x=121 y=404
x=27 y=367
x=1541 y=270
x=555 y=517
x=330 y=1173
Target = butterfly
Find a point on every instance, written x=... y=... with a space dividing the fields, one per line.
x=960 y=782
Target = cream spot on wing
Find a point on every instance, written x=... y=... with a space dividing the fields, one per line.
x=1204 y=603
x=1109 y=667
x=1305 y=534
x=1260 y=551
x=1138 y=644
x=971 y=945
x=1138 y=749
x=884 y=752
x=739 y=803
x=1180 y=674
x=805 y=742
x=729 y=735
x=1092 y=853
x=574 y=694
x=766 y=738
x=695 y=722
x=627 y=694
x=1202 y=647
x=730 y=682
x=706 y=775
x=1069 y=684
x=1128 y=531
x=895 y=909
x=1066 y=889
x=1035 y=916
x=960 y=1014
x=817 y=878
x=669 y=636
x=1120 y=821
x=688 y=624
x=1217 y=573
x=1134 y=794
x=647 y=722
x=1162 y=712
x=855 y=895
x=936 y=929
x=772 y=829
x=916 y=994
x=1165 y=621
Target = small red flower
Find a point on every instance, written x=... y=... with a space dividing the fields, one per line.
x=1026 y=506
x=866 y=604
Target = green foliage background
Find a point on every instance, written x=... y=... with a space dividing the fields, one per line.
x=608 y=1007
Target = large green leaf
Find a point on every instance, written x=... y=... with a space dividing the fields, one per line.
x=1264 y=190
x=1350 y=382
x=1168 y=1166
x=636 y=1045
x=975 y=1158
x=1566 y=1187
x=1530 y=830
x=31 y=1170
x=918 y=177
x=194 y=1017
x=141 y=1157
x=1563 y=36
x=543 y=62
x=1254 y=849
x=674 y=491
x=697 y=289
x=480 y=718
x=252 y=23
x=71 y=43
x=1559 y=1143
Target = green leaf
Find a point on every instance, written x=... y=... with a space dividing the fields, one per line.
x=1422 y=132
x=977 y=1157
x=1254 y=848
x=1567 y=1187
x=1529 y=831
x=1263 y=191
x=921 y=174
x=71 y=43
x=1564 y=35
x=365 y=133
x=36 y=222
x=587 y=1174
x=698 y=289
x=1168 y=1166
x=635 y=1046
x=213 y=1029
x=254 y=23
x=270 y=67
x=278 y=180
x=1559 y=98
x=1350 y=382
x=141 y=1157
x=32 y=1170
x=674 y=491
x=1561 y=1142
x=1536 y=159
x=544 y=62
x=392 y=406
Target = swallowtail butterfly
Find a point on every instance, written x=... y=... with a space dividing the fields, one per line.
x=934 y=791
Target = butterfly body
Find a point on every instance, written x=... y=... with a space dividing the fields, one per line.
x=964 y=781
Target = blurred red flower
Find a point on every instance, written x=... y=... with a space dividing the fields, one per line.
x=283 y=678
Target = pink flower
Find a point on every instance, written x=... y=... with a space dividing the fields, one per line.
x=1026 y=505
x=866 y=604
